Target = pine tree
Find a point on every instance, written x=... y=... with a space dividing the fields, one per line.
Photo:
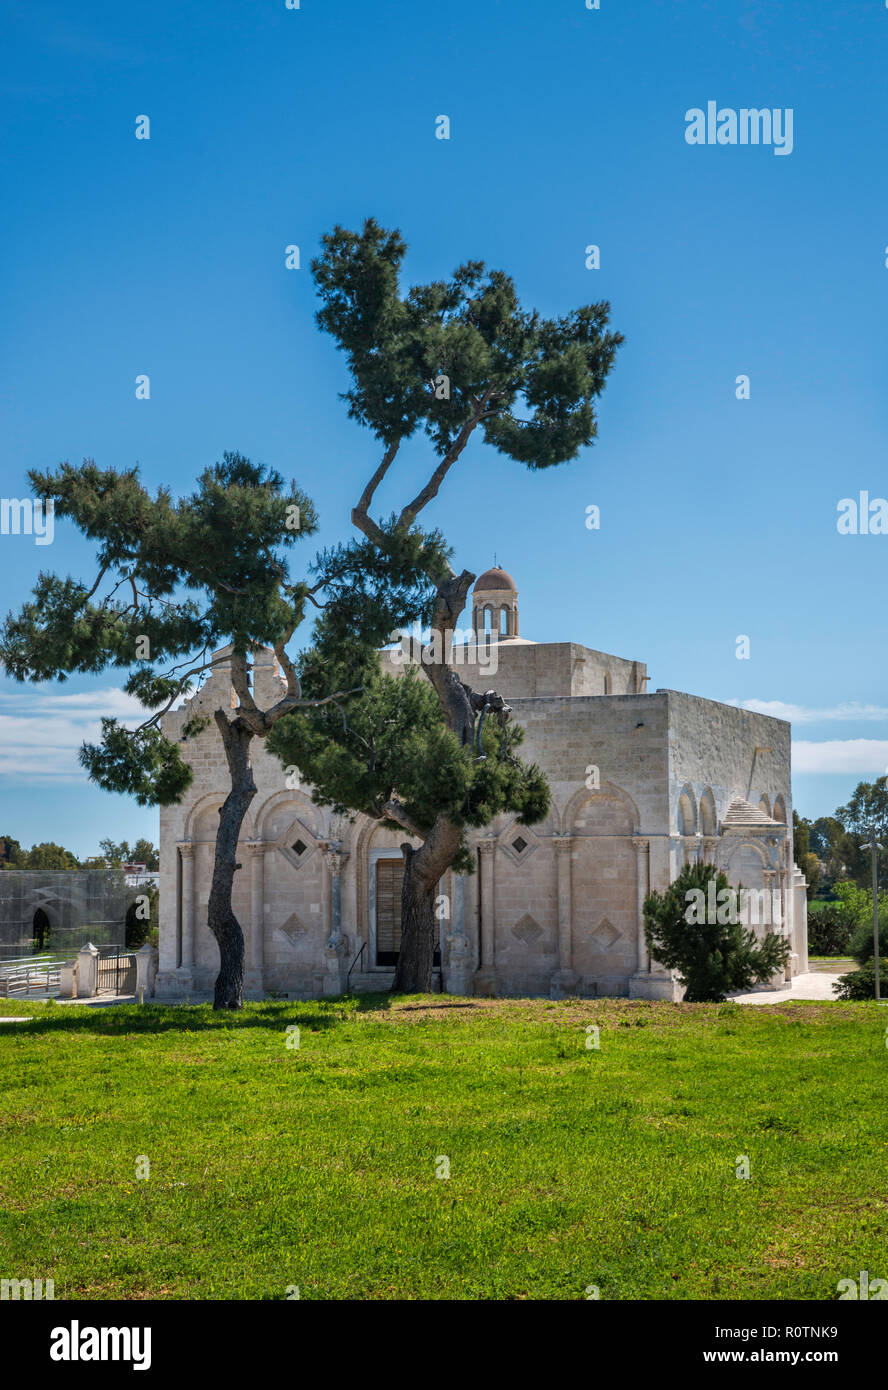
x=175 y=580
x=714 y=953
x=459 y=359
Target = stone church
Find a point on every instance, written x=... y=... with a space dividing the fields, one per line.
x=642 y=783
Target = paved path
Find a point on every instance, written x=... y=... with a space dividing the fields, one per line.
x=817 y=984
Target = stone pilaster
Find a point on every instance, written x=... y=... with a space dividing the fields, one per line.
x=184 y=979
x=456 y=971
x=639 y=982
x=336 y=948
x=485 y=976
x=254 y=975
x=564 y=980
x=650 y=980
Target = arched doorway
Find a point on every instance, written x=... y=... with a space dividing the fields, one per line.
x=387 y=869
x=42 y=927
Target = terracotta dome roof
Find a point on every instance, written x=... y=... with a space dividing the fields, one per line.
x=496 y=579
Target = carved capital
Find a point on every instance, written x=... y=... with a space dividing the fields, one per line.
x=487 y=846
x=563 y=843
x=641 y=844
x=186 y=849
x=335 y=859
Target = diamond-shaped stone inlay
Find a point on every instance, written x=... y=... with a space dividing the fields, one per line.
x=293 y=929
x=300 y=847
x=519 y=844
x=527 y=930
x=605 y=934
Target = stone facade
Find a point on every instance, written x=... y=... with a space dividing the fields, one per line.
x=641 y=784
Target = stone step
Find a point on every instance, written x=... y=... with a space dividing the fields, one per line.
x=378 y=981
x=371 y=981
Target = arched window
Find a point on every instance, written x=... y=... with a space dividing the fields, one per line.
x=765 y=805
x=607 y=683
x=707 y=813
x=685 y=815
x=780 y=810
x=488 y=618
x=504 y=622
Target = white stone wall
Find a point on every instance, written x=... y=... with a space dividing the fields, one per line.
x=562 y=914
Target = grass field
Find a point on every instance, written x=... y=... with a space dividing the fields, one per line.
x=315 y=1167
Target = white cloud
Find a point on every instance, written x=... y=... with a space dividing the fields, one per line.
x=41 y=730
x=867 y=756
x=847 y=712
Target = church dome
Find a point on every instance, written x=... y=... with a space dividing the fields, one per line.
x=495 y=579
x=495 y=605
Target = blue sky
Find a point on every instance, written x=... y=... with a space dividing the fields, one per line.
x=268 y=126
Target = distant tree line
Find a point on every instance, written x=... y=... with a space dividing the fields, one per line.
x=51 y=857
x=834 y=849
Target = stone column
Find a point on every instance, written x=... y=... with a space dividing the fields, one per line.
x=786 y=871
x=456 y=969
x=769 y=879
x=186 y=966
x=800 y=922
x=642 y=875
x=651 y=980
x=709 y=844
x=485 y=977
x=564 y=980
x=335 y=964
x=676 y=856
x=254 y=981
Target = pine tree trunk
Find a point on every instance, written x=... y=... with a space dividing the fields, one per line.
x=423 y=869
x=221 y=920
x=413 y=974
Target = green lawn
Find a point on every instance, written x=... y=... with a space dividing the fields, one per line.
x=273 y=1167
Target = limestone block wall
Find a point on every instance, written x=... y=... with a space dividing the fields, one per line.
x=524 y=670
x=712 y=746
x=717 y=753
x=567 y=904
x=554 y=907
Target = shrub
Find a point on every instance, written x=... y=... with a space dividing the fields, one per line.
x=861 y=984
x=829 y=931
x=713 y=958
x=862 y=937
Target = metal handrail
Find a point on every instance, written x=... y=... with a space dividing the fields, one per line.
x=44 y=975
x=44 y=958
x=354 y=963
